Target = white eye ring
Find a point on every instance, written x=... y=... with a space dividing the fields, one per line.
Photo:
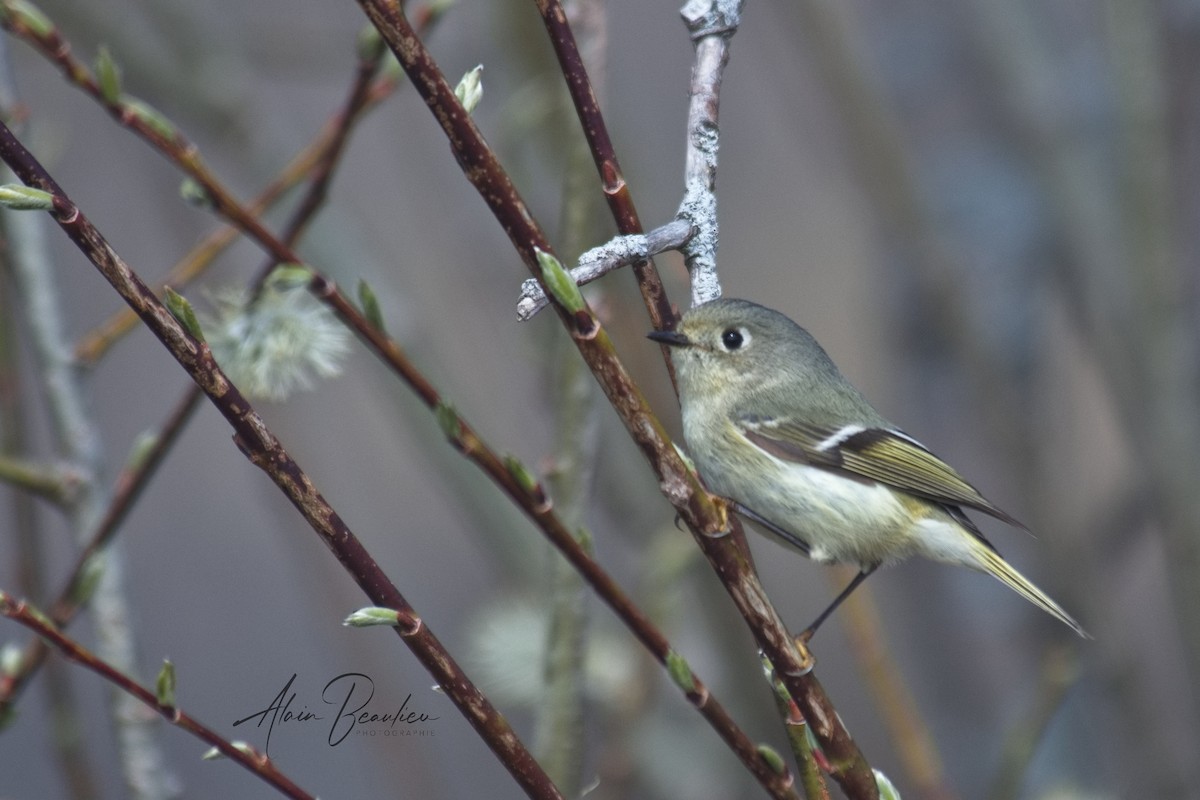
x=735 y=339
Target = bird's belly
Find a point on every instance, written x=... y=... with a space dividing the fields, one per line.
x=842 y=519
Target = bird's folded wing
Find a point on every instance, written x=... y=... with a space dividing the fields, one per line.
x=879 y=454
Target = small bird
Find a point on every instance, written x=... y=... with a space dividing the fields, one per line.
x=773 y=426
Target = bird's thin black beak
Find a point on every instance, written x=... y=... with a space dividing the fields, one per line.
x=671 y=338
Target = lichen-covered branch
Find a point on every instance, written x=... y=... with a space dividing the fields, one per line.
x=603 y=259
x=711 y=25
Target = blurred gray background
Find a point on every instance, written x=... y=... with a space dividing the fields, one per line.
x=985 y=211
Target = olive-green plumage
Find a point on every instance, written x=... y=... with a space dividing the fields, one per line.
x=774 y=426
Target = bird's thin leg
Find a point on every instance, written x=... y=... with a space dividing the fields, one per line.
x=808 y=632
x=788 y=537
x=803 y=546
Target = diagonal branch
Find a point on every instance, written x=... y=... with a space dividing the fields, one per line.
x=78 y=588
x=516 y=482
x=705 y=516
x=265 y=451
x=320 y=158
x=616 y=190
x=316 y=161
x=259 y=764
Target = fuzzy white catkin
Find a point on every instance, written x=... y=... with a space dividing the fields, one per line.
x=281 y=342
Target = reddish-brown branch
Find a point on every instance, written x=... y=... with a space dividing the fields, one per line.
x=616 y=190
x=257 y=763
x=316 y=161
x=176 y=147
x=357 y=102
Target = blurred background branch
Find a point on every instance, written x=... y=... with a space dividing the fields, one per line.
x=77 y=437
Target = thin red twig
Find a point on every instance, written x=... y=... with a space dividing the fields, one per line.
x=257 y=763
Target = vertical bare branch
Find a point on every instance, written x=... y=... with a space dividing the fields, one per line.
x=711 y=25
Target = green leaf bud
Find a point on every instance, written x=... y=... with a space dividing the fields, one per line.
x=25 y=198
x=108 y=76
x=182 y=310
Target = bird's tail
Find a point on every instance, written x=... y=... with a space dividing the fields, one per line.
x=991 y=563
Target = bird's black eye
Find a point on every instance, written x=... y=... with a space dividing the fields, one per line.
x=733 y=339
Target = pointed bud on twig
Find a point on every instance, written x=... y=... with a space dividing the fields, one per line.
x=140 y=451
x=528 y=483
x=449 y=421
x=887 y=790
x=772 y=759
x=287 y=277
x=370 y=306
x=195 y=194
x=182 y=310
x=213 y=754
x=559 y=282
x=680 y=672
x=21 y=13
x=89 y=578
x=25 y=198
x=470 y=89
x=164 y=687
x=152 y=118
x=108 y=76
x=585 y=539
x=371 y=616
